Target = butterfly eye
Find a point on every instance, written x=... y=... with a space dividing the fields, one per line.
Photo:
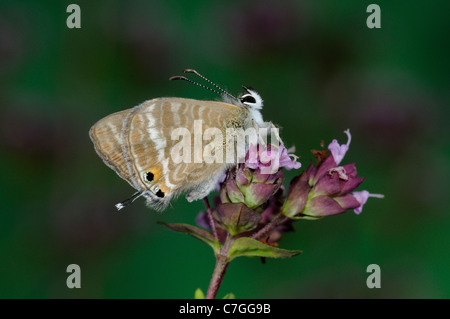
x=248 y=99
x=148 y=177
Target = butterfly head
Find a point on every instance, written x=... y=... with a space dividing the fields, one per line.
x=251 y=98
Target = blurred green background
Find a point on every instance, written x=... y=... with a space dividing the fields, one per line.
x=320 y=71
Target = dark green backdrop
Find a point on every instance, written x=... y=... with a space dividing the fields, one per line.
x=319 y=69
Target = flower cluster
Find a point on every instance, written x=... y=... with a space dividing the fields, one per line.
x=251 y=212
x=326 y=188
x=249 y=199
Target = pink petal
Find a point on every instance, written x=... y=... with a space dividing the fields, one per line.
x=338 y=151
x=251 y=159
x=362 y=198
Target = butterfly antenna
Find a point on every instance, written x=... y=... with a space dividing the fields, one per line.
x=178 y=77
x=209 y=81
x=128 y=201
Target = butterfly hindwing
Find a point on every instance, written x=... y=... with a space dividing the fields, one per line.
x=106 y=136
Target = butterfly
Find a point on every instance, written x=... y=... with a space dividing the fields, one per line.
x=138 y=145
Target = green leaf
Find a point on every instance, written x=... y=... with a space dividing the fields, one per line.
x=199 y=294
x=229 y=295
x=246 y=246
x=196 y=232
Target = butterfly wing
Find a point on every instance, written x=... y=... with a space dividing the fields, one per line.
x=146 y=144
x=107 y=139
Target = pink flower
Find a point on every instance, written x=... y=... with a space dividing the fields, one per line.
x=251 y=160
x=288 y=159
x=338 y=151
x=362 y=198
x=270 y=159
x=327 y=188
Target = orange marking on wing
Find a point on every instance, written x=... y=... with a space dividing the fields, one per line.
x=156 y=171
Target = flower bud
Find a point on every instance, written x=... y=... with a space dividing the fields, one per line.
x=252 y=185
x=326 y=189
x=236 y=218
x=297 y=196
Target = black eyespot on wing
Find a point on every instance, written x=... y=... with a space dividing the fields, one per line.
x=248 y=99
x=160 y=194
x=149 y=177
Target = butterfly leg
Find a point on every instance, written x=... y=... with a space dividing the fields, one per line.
x=237 y=159
x=257 y=127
